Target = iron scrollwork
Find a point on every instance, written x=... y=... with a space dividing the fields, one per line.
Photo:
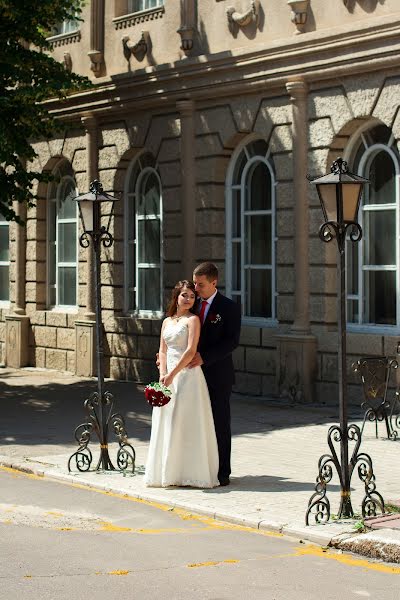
x=319 y=505
x=83 y=457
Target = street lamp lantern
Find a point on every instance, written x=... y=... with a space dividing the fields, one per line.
x=340 y=194
x=90 y=208
x=99 y=406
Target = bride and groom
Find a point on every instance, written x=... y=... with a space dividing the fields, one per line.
x=190 y=441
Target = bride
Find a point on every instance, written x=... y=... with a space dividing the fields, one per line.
x=183 y=446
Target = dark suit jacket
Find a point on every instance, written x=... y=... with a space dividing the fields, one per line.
x=218 y=338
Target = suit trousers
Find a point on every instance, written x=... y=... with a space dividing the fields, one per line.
x=221 y=409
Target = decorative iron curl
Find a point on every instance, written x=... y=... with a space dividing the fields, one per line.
x=355 y=234
x=84 y=240
x=319 y=506
x=372 y=502
x=106 y=238
x=126 y=456
x=339 y=166
x=325 y=231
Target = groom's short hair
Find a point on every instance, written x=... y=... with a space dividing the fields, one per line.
x=208 y=269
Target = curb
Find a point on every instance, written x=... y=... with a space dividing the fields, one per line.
x=287 y=529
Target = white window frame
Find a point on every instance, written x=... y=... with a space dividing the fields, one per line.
x=145 y=5
x=370 y=152
x=54 y=198
x=230 y=240
x=4 y=263
x=129 y=241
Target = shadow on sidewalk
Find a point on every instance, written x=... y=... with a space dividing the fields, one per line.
x=33 y=412
x=266 y=483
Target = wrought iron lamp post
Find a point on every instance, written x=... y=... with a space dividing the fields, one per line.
x=340 y=193
x=99 y=405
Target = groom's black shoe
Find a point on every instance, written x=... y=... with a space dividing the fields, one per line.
x=224 y=481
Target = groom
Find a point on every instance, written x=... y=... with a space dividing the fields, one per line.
x=220 y=332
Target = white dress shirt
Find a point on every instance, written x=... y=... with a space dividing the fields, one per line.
x=209 y=300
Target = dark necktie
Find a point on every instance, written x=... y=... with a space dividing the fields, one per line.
x=202 y=310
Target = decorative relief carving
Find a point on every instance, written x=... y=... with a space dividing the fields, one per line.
x=140 y=49
x=139 y=17
x=243 y=19
x=187 y=34
x=83 y=344
x=96 y=60
x=12 y=337
x=64 y=39
x=298 y=15
x=67 y=61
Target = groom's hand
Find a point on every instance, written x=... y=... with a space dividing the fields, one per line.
x=196 y=361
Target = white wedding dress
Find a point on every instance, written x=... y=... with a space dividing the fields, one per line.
x=183 y=446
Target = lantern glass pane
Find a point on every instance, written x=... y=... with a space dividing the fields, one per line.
x=351 y=193
x=87 y=216
x=327 y=196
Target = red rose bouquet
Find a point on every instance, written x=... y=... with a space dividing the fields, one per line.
x=157 y=394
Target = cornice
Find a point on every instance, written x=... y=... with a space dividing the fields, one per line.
x=313 y=58
x=139 y=17
x=64 y=39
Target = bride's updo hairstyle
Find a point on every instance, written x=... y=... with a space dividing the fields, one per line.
x=171 y=308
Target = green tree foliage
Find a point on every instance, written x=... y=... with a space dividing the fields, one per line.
x=28 y=76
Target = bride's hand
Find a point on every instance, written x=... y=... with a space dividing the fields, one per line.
x=167 y=379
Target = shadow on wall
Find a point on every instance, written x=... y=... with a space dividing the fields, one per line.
x=366 y=5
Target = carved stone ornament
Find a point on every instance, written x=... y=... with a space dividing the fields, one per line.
x=242 y=19
x=299 y=13
x=96 y=60
x=186 y=34
x=138 y=49
x=67 y=61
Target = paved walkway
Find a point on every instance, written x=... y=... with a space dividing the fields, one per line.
x=275 y=451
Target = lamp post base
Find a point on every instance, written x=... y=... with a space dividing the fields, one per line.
x=319 y=506
x=100 y=417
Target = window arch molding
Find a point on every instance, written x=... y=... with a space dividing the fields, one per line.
x=373 y=269
x=62 y=239
x=251 y=213
x=143 y=247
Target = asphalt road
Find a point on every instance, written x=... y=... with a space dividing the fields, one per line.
x=61 y=541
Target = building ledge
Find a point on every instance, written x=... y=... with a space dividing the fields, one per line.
x=139 y=17
x=64 y=38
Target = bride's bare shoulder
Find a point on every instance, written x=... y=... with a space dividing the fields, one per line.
x=193 y=319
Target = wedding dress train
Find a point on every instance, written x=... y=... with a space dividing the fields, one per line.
x=183 y=447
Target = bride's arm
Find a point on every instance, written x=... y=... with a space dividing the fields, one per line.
x=193 y=340
x=162 y=353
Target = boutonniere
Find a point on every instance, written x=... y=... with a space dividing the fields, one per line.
x=215 y=318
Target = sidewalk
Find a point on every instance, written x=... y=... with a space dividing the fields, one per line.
x=275 y=452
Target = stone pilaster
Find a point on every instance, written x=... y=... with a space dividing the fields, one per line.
x=96 y=53
x=85 y=330
x=17 y=331
x=188 y=185
x=85 y=337
x=17 y=324
x=297 y=351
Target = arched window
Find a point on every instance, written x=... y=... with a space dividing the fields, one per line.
x=144 y=238
x=4 y=259
x=62 y=238
x=251 y=232
x=373 y=263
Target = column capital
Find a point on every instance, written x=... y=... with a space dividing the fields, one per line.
x=89 y=122
x=185 y=107
x=297 y=89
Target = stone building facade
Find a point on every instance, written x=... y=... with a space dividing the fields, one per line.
x=206 y=116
